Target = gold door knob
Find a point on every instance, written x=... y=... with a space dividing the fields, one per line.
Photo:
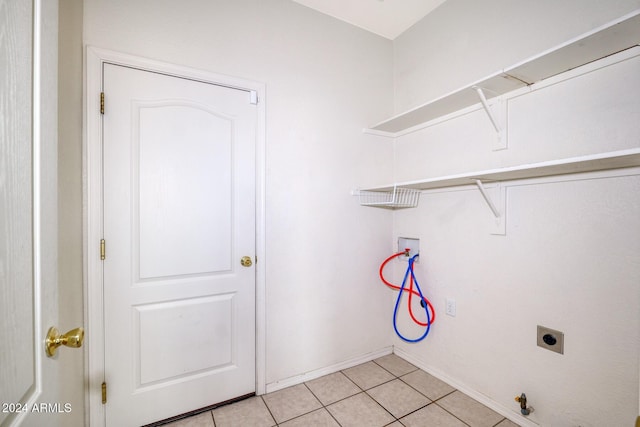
x=73 y=338
x=245 y=261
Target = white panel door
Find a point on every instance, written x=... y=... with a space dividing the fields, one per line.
x=31 y=393
x=19 y=355
x=179 y=214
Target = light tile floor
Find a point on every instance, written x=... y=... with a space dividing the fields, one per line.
x=388 y=391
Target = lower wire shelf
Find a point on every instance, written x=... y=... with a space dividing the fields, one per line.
x=396 y=198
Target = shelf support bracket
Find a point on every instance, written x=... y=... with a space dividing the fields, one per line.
x=496 y=122
x=499 y=223
x=487 y=199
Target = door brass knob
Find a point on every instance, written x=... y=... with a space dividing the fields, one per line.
x=245 y=261
x=73 y=338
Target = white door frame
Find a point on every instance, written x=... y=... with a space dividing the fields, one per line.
x=93 y=197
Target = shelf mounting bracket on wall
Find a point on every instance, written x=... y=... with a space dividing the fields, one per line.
x=499 y=213
x=498 y=123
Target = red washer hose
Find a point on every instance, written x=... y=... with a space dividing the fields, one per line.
x=410 y=290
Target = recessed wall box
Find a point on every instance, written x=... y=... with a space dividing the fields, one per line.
x=551 y=339
x=408 y=243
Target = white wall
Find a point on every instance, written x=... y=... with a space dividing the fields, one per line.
x=569 y=259
x=572 y=243
x=325 y=81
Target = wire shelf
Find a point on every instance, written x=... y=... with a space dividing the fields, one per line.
x=398 y=198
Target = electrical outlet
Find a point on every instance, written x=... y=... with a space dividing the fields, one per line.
x=450 y=307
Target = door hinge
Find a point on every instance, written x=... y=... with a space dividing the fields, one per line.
x=104 y=393
x=101 y=102
x=103 y=249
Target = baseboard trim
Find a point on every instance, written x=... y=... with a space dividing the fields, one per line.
x=312 y=375
x=489 y=403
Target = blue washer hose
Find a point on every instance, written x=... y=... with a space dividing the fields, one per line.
x=395 y=310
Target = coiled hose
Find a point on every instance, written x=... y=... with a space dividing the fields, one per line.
x=428 y=308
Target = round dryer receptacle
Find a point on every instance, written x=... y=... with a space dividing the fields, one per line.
x=549 y=339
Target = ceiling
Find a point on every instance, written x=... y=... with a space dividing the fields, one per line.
x=387 y=18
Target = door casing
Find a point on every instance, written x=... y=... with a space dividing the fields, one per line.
x=92 y=227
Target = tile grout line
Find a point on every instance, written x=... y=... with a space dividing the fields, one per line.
x=395 y=377
x=431 y=401
x=399 y=377
x=422 y=394
x=500 y=422
x=409 y=413
x=436 y=400
x=445 y=409
x=362 y=390
x=268 y=409
x=323 y=405
x=380 y=405
x=449 y=412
